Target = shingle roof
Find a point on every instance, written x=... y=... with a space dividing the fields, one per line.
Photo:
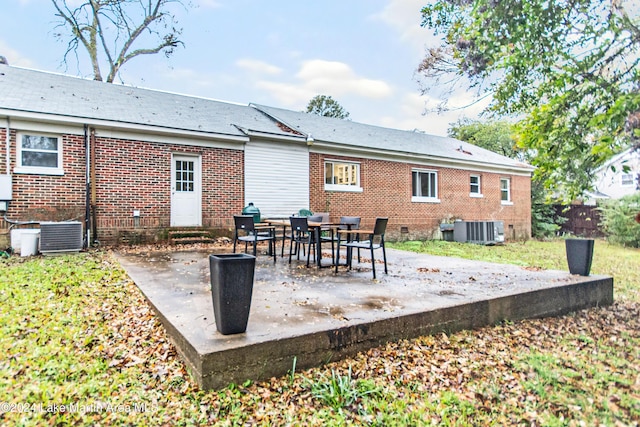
x=29 y=91
x=32 y=91
x=346 y=132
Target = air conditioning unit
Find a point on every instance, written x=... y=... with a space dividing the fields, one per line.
x=481 y=232
x=59 y=237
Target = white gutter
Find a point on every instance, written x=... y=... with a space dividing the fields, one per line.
x=377 y=154
x=111 y=124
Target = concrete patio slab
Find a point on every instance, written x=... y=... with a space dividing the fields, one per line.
x=315 y=316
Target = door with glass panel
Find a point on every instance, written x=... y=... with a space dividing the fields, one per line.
x=186 y=191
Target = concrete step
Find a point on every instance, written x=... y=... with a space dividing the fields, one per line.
x=189 y=235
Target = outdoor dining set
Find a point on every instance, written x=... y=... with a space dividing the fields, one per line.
x=306 y=233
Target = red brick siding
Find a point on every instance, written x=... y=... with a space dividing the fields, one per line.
x=141 y=179
x=3 y=151
x=387 y=192
x=135 y=175
x=128 y=175
x=49 y=197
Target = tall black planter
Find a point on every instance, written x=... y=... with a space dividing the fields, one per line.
x=579 y=255
x=231 y=289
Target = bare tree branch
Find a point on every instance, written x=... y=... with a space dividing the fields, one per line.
x=108 y=33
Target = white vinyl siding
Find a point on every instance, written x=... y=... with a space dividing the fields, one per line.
x=276 y=178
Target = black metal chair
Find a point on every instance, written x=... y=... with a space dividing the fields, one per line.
x=346 y=223
x=375 y=241
x=301 y=235
x=247 y=232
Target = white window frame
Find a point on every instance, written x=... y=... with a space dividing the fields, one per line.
x=39 y=170
x=350 y=187
x=509 y=201
x=626 y=179
x=420 y=198
x=478 y=184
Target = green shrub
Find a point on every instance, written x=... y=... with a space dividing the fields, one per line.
x=544 y=221
x=618 y=220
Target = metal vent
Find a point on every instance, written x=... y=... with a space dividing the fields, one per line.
x=481 y=232
x=56 y=237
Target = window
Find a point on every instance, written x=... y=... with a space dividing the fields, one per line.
x=505 y=191
x=41 y=154
x=626 y=179
x=424 y=186
x=184 y=176
x=475 y=190
x=342 y=176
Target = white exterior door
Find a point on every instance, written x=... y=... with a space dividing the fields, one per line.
x=186 y=191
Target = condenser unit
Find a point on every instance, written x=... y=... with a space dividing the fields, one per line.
x=59 y=237
x=480 y=232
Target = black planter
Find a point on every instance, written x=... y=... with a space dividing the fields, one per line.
x=579 y=255
x=231 y=289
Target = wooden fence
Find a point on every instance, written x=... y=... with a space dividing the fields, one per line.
x=581 y=220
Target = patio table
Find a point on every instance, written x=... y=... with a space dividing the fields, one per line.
x=317 y=227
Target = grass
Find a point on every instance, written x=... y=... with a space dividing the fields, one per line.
x=79 y=345
x=609 y=260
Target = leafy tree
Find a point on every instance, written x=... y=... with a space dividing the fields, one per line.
x=323 y=105
x=569 y=68
x=116 y=31
x=496 y=136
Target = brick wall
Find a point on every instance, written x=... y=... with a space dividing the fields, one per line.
x=129 y=175
x=387 y=192
x=49 y=197
x=136 y=175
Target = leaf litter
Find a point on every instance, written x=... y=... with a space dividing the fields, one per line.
x=577 y=369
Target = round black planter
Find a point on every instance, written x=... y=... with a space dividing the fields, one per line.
x=579 y=255
x=231 y=289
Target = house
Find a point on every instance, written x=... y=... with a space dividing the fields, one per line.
x=614 y=180
x=128 y=160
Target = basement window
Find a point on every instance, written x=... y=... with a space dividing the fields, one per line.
x=39 y=154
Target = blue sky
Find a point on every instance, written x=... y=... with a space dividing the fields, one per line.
x=280 y=53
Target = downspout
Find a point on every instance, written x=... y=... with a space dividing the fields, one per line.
x=92 y=167
x=8 y=144
x=87 y=212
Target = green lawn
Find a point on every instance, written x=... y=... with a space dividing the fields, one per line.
x=80 y=346
x=623 y=264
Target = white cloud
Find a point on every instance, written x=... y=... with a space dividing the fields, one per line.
x=257 y=66
x=412 y=114
x=320 y=77
x=289 y=94
x=337 y=78
x=405 y=17
x=14 y=57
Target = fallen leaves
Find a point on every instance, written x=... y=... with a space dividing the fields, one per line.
x=99 y=341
